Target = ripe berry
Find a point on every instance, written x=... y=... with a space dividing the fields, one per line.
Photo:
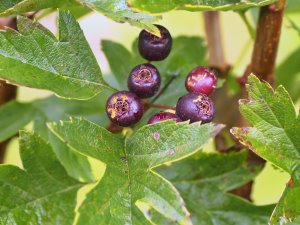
x=124 y=108
x=154 y=48
x=161 y=116
x=144 y=80
x=195 y=107
x=201 y=80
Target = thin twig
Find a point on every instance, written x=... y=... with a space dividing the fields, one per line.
x=163 y=89
x=250 y=29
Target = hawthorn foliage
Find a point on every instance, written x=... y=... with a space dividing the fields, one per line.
x=151 y=174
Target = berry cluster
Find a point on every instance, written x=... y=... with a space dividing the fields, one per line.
x=125 y=108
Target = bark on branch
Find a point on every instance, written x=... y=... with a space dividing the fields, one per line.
x=7 y=92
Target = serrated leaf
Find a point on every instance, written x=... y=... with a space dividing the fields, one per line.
x=160 y=6
x=16 y=7
x=129 y=180
x=117 y=10
x=274 y=136
x=120 y=11
x=52 y=109
x=204 y=179
x=14 y=116
x=42 y=193
x=34 y=57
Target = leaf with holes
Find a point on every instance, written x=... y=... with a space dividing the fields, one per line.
x=275 y=137
x=42 y=193
x=129 y=181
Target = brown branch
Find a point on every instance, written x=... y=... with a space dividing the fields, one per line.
x=216 y=58
x=7 y=92
x=267 y=41
x=263 y=65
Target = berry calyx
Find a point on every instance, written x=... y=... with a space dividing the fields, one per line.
x=154 y=48
x=162 y=116
x=144 y=80
x=201 y=80
x=195 y=107
x=124 y=108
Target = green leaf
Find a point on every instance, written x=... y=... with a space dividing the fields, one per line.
x=129 y=181
x=274 y=136
x=116 y=53
x=35 y=58
x=42 y=193
x=204 y=179
x=120 y=11
x=53 y=109
x=292 y=81
x=14 y=116
x=292 y=6
x=160 y=6
x=16 y=7
x=117 y=10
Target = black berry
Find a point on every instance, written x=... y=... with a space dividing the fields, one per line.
x=201 y=80
x=144 y=80
x=154 y=48
x=161 y=116
x=195 y=107
x=124 y=108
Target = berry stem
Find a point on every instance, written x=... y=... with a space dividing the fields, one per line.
x=163 y=89
x=160 y=106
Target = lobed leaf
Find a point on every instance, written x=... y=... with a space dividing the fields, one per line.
x=34 y=57
x=275 y=137
x=117 y=10
x=42 y=193
x=204 y=179
x=14 y=116
x=50 y=109
x=129 y=180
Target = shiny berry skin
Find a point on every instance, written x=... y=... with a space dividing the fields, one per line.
x=154 y=48
x=124 y=108
x=195 y=107
x=162 y=116
x=144 y=80
x=201 y=80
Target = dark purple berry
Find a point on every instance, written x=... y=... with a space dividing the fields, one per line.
x=124 y=108
x=161 y=116
x=144 y=80
x=154 y=48
x=195 y=107
x=201 y=80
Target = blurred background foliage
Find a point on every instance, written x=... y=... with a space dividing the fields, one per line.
x=238 y=48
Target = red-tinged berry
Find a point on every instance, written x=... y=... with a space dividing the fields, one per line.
x=162 y=116
x=124 y=108
x=144 y=80
x=195 y=107
x=201 y=80
x=154 y=48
